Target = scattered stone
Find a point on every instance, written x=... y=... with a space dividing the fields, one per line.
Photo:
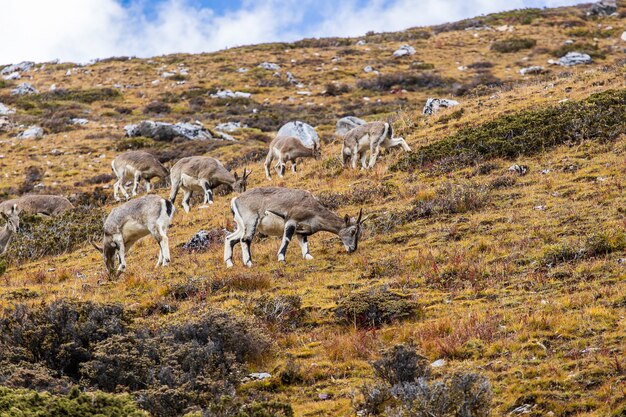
x=79 y=121
x=304 y=93
x=68 y=73
x=574 y=58
x=5 y=124
x=603 y=8
x=21 y=67
x=345 y=124
x=505 y=28
x=368 y=69
x=269 y=66
x=230 y=126
x=291 y=78
x=305 y=132
x=53 y=87
x=242 y=70
x=56 y=152
x=361 y=43
x=532 y=70
x=519 y=169
x=167 y=74
x=404 y=50
x=545 y=171
x=167 y=132
x=462 y=68
x=540 y=208
x=568 y=42
x=434 y=104
x=4 y=110
x=259 y=376
x=323 y=396
x=24 y=89
x=438 y=363
x=230 y=94
x=33 y=132
x=202 y=240
x=624 y=36
x=13 y=76
x=522 y=409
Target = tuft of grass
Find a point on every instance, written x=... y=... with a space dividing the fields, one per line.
x=513 y=45
x=600 y=117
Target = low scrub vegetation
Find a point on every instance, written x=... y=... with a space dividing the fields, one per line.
x=404 y=386
x=406 y=81
x=86 y=96
x=599 y=117
x=374 y=307
x=585 y=48
x=513 y=45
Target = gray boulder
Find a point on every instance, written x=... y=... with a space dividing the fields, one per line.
x=305 y=132
x=79 y=121
x=5 y=124
x=21 y=67
x=230 y=127
x=434 y=104
x=345 y=124
x=404 y=50
x=603 y=8
x=269 y=66
x=33 y=132
x=166 y=132
x=574 y=58
x=13 y=76
x=291 y=79
x=24 y=89
x=230 y=94
x=4 y=110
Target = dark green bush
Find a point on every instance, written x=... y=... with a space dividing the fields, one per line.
x=86 y=96
x=407 y=81
x=68 y=231
x=513 y=45
x=374 y=307
x=27 y=403
x=600 y=117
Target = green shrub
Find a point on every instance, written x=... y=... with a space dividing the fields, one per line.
x=513 y=45
x=68 y=231
x=599 y=117
x=407 y=81
x=374 y=307
x=86 y=96
x=134 y=143
x=28 y=403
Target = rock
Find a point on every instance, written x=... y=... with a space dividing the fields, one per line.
x=462 y=68
x=13 y=76
x=434 y=104
x=624 y=36
x=291 y=78
x=603 y=8
x=4 y=110
x=520 y=169
x=368 y=69
x=505 y=28
x=404 y=50
x=167 y=132
x=568 y=42
x=242 y=70
x=230 y=127
x=345 y=124
x=202 y=240
x=53 y=87
x=361 y=43
x=574 y=58
x=269 y=66
x=24 y=89
x=230 y=94
x=304 y=93
x=33 y=132
x=21 y=67
x=305 y=132
x=323 y=396
x=259 y=376
x=535 y=69
x=167 y=74
x=5 y=124
x=79 y=121
x=438 y=363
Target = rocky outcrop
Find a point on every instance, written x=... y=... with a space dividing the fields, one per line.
x=403 y=51
x=4 y=110
x=305 y=132
x=13 y=76
x=345 y=124
x=574 y=58
x=24 y=89
x=269 y=66
x=603 y=8
x=21 y=67
x=33 y=132
x=166 y=132
x=434 y=104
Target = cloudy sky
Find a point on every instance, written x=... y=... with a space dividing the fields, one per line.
x=80 y=30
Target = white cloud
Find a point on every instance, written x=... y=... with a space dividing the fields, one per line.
x=79 y=30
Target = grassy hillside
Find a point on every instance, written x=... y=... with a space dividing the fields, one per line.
x=518 y=279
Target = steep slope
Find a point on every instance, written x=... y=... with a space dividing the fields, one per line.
x=517 y=278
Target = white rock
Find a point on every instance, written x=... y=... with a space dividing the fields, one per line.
x=242 y=70
x=574 y=58
x=345 y=124
x=156 y=82
x=4 y=110
x=303 y=131
x=13 y=76
x=505 y=28
x=568 y=42
x=53 y=87
x=259 y=376
x=68 y=73
x=404 y=50
x=79 y=121
x=361 y=42
x=291 y=78
x=269 y=66
x=462 y=68
x=624 y=36
x=368 y=69
x=33 y=132
x=535 y=69
x=231 y=94
x=438 y=363
x=303 y=93
x=434 y=104
x=230 y=127
x=167 y=74
x=23 y=89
